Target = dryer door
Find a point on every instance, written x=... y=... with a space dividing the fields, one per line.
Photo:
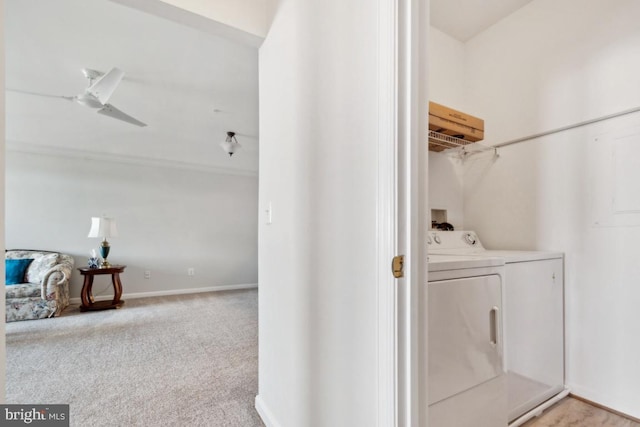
x=465 y=334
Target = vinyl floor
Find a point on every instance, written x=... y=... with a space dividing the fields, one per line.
x=573 y=412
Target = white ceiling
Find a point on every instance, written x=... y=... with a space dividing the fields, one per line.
x=464 y=19
x=189 y=86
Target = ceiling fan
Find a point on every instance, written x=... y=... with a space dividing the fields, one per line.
x=100 y=88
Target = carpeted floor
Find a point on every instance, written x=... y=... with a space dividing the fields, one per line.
x=186 y=360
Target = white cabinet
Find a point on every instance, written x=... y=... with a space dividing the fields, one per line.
x=534 y=346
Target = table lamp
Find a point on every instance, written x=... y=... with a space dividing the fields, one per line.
x=103 y=227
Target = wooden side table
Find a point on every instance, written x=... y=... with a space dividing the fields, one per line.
x=88 y=304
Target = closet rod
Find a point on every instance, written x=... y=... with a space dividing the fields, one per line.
x=561 y=129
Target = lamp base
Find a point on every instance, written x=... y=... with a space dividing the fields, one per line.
x=104 y=252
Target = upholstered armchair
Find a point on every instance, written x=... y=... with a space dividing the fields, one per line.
x=44 y=290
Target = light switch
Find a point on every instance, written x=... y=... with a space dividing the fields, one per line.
x=269 y=214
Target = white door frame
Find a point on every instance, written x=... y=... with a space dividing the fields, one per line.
x=2 y=196
x=402 y=211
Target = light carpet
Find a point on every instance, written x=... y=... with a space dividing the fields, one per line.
x=184 y=360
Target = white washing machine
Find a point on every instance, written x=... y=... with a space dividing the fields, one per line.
x=466 y=380
x=533 y=316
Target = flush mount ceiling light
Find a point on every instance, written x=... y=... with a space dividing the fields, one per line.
x=230 y=145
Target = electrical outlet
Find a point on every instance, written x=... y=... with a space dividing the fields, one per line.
x=191 y=271
x=147 y=274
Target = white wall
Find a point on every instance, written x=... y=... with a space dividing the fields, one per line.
x=446 y=86
x=446 y=70
x=553 y=64
x=169 y=219
x=318 y=169
x=445 y=187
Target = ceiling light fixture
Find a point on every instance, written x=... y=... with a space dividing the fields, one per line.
x=230 y=145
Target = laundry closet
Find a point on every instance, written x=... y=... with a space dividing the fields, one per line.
x=557 y=85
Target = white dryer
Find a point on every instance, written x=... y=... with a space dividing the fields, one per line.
x=533 y=315
x=466 y=381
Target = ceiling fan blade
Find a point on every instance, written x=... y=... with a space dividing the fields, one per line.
x=104 y=87
x=26 y=92
x=111 y=111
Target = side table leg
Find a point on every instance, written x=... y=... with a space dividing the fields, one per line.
x=117 y=288
x=86 y=294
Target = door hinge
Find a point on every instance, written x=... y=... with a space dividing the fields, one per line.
x=397 y=266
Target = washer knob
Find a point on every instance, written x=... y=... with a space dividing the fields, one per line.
x=429 y=241
x=437 y=239
x=470 y=239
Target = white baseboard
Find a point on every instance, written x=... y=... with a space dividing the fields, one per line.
x=135 y=295
x=267 y=417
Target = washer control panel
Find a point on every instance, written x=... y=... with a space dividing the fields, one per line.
x=439 y=239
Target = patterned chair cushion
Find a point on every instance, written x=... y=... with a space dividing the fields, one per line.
x=30 y=308
x=40 y=265
x=23 y=290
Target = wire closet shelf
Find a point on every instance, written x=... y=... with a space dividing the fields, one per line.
x=456 y=146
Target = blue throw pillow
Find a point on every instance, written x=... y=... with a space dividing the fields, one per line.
x=15 y=269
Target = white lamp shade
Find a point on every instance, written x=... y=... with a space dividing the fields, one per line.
x=103 y=227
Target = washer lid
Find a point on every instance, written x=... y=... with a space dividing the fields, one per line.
x=508 y=255
x=442 y=262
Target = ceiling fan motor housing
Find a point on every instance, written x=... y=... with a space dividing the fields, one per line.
x=92 y=74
